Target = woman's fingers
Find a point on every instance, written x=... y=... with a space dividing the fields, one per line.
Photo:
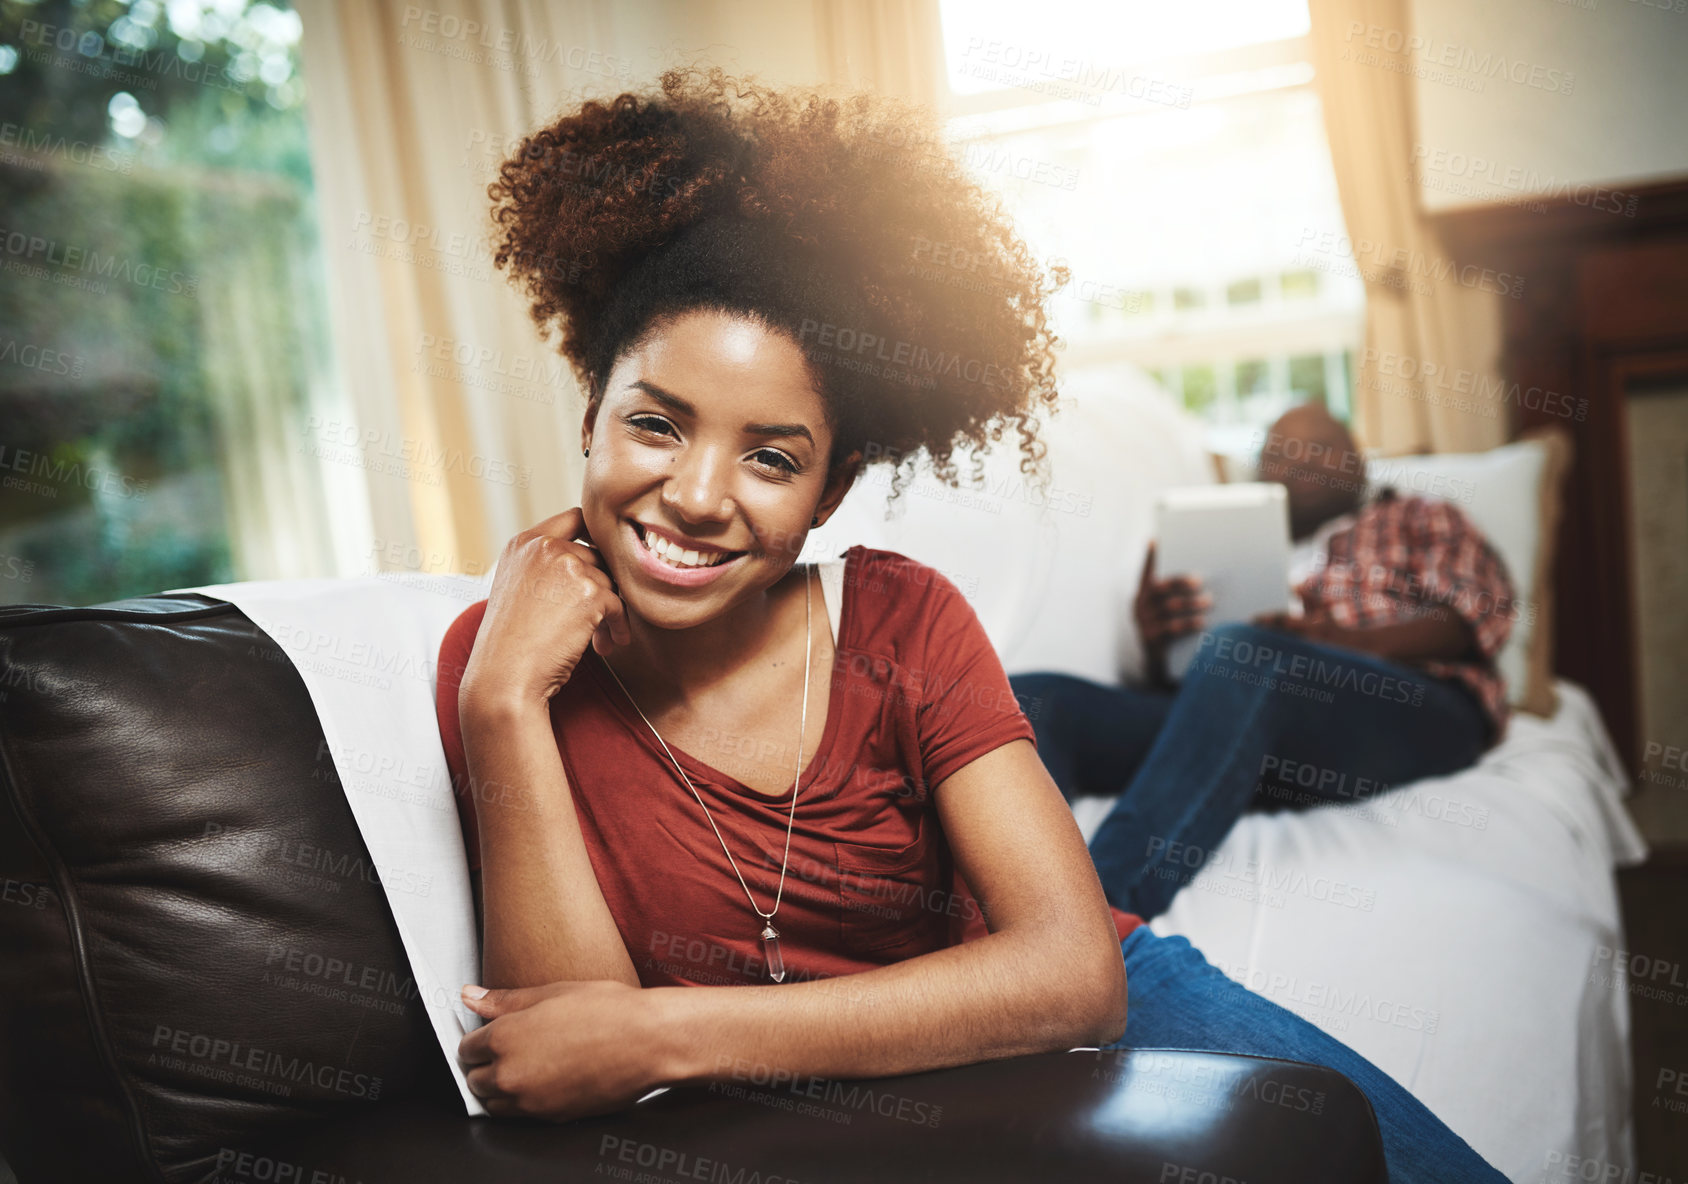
x=480 y=1064
x=553 y=596
x=570 y=524
x=475 y=1048
x=620 y=626
x=613 y=630
x=482 y=1084
x=570 y=527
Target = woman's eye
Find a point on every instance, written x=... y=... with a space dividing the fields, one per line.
x=775 y=459
x=771 y=458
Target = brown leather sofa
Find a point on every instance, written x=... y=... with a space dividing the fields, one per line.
x=184 y=998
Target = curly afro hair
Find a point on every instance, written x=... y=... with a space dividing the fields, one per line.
x=841 y=222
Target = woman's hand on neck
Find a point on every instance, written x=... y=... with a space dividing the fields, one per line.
x=675 y=665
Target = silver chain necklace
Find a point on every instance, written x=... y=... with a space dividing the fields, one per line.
x=770 y=935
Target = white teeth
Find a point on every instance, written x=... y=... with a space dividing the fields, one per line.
x=678 y=556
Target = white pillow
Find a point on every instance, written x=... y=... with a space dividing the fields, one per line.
x=1051 y=575
x=1500 y=491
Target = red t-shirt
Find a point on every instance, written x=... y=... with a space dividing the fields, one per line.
x=917 y=693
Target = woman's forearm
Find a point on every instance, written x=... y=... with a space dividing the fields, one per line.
x=544 y=915
x=1006 y=994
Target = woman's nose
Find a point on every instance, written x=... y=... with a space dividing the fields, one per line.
x=697 y=488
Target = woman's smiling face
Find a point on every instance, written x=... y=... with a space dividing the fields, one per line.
x=708 y=458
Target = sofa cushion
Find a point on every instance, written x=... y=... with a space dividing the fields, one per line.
x=215 y=956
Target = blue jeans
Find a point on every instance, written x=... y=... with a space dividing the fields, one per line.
x=1179 y=1000
x=1261 y=718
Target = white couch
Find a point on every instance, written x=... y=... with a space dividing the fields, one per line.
x=1481 y=974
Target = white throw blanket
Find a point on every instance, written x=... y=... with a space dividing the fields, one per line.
x=366 y=649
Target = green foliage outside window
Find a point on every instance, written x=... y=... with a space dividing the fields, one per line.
x=156 y=280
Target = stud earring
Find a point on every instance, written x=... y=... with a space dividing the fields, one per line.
x=585 y=452
x=815 y=521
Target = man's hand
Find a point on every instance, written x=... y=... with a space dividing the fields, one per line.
x=1166 y=610
x=562 y=1051
x=1319 y=628
x=1437 y=634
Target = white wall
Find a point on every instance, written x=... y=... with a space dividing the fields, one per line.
x=1591 y=93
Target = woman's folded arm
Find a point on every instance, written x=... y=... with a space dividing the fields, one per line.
x=1048 y=976
x=544 y=917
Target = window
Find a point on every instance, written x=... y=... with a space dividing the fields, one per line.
x=1174 y=156
x=161 y=297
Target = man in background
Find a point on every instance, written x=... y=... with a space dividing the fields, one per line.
x=1386 y=675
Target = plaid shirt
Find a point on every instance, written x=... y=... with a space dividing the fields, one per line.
x=1403 y=555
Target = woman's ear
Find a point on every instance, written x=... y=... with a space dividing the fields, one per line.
x=589 y=422
x=838 y=482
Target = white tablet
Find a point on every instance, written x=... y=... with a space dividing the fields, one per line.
x=1236 y=539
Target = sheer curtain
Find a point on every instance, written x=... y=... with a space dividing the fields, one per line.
x=466 y=422
x=893 y=46
x=1417 y=310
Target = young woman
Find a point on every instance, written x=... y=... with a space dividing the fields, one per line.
x=703 y=833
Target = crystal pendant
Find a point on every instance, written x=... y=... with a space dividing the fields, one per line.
x=771 y=949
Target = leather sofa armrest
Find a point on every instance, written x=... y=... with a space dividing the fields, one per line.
x=1143 y=1115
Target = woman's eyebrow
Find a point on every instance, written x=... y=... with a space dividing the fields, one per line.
x=678 y=405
